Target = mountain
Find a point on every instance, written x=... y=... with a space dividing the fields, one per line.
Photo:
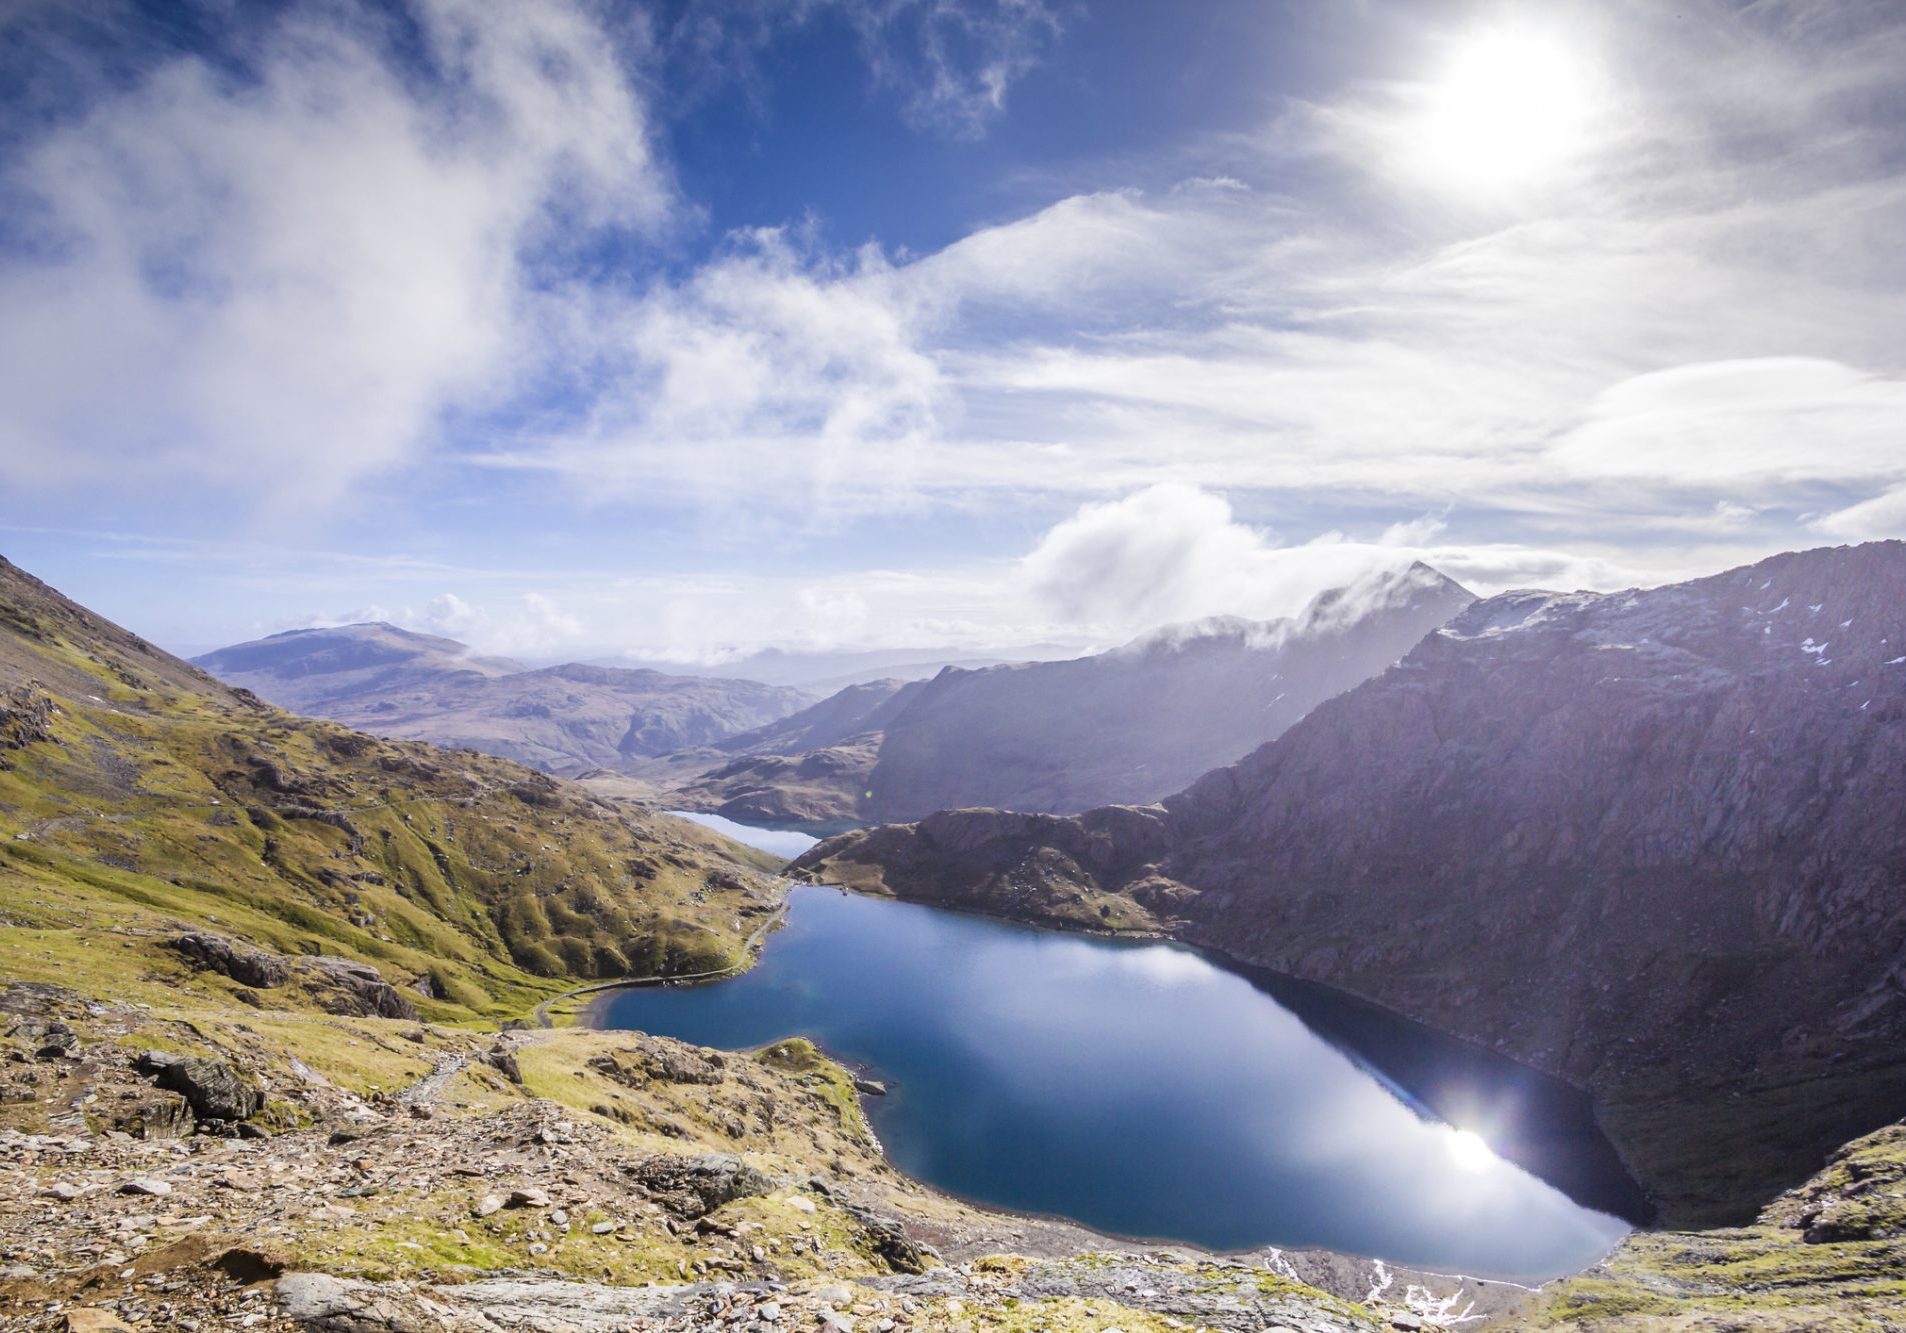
x=822 y=670
x=1130 y=725
x=1650 y=842
x=562 y=719
x=138 y=793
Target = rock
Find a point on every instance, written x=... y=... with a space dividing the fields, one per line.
x=215 y=1090
x=327 y=1304
x=62 y=1191
x=488 y=1204
x=247 y=966
x=163 y=1115
x=355 y=988
x=1409 y=1323
x=146 y=1185
x=692 y=1186
x=870 y=1087
x=92 y=1319
x=504 y=1062
x=58 y=1042
x=530 y=1197
x=886 y=1238
x=26 y=716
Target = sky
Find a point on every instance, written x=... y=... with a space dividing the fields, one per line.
x=677 y=329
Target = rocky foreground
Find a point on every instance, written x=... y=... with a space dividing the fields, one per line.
x=286 y=1172
x=162 y=1173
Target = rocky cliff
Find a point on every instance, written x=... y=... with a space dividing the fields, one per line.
x=1129 y=725
x=1649 y=841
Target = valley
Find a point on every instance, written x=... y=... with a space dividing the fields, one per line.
x=370 y=920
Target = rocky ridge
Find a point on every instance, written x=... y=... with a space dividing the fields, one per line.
x=1647 y=842
x=1133 y=724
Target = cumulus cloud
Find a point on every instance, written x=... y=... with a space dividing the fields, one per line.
x=280 y=283
x=531 y=624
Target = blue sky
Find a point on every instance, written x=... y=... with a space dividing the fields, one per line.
x=575 y=328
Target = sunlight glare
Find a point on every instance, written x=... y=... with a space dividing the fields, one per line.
x=1511 y=106
x=1469 y=1151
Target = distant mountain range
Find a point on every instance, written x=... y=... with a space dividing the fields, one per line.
x=820 y=671
x=562 y=719
x=1653 y=842
x=1130 y=725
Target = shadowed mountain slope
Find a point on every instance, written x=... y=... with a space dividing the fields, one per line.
x=1650 y=842
x=1128 y=725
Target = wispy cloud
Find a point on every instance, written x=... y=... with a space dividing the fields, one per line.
x=1677 y=347
x=280 y=284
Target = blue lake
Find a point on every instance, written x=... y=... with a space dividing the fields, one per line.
x=1145 y=1091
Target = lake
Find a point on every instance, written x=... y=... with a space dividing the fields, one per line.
x=1145 y=1091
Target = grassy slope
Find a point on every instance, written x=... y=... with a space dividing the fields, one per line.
x=151 y=798
x=1830 y=1254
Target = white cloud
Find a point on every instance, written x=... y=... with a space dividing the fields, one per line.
x=280 y=285
x=1763 y=420
x=1173 y=553
x=1882 y=517
x=531 y=623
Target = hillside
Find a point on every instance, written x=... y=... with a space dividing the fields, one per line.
x=562 y=719
x=137 y=793
x=1127 y=726
x=1649 y=842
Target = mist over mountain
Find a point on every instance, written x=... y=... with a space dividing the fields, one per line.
x=1129 y=725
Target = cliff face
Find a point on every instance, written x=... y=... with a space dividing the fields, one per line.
x=1129 y=725
x=1650 y=842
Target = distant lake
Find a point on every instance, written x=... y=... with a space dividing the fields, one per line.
x=775 y=842
x=1145 y=1091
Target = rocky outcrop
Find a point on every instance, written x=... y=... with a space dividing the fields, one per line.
x=213 y=1089
x=692 y=1186
x=1648 y=842
x=246 y=966
x=350 y=987
x=26 y=717
x=341 y=985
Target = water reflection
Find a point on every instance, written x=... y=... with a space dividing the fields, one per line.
x=1136 y=1088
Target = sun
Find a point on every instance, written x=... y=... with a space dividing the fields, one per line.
x=1468 y=1151
x=1509 y=109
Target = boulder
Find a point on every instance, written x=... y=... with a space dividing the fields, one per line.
x=161 y=1115
x=215 y=1090
x=357 y=989
x=57 y=1042
x=692 y=1186
x=248 y=967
